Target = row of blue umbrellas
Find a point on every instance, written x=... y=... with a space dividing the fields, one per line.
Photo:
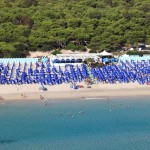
x=43 y=73
x=67 y=61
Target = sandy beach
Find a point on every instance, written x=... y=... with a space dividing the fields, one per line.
x=63 y=91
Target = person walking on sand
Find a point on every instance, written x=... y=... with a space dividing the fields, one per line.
x=1 y=98
x=41 y=97
x=23 y=95
x=108 y=99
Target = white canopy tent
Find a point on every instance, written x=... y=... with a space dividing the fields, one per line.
x=104 y=53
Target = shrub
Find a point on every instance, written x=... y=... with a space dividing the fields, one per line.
x=16 y=54
x=140 y=53
x=56 y=52
x=1 y=54
x=75 y=47
x=71 y=47
x=92 y=51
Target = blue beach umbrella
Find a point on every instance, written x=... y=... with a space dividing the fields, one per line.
x=78 y=60
x=72 y=60
x=67 y=60
x=56 y=61
x=63 y=61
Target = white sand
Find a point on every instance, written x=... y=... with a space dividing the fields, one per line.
x=38 y=54
x=63 y=91
x=46 y=54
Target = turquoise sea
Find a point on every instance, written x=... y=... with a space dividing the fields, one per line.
x=117 y=124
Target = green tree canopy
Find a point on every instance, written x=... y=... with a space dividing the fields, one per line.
x=55 y=24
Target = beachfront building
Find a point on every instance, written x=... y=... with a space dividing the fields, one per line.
x=60 y=59
x=76 y=59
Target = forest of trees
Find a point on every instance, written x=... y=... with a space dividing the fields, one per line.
x=29 y=25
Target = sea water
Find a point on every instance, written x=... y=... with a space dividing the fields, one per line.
x=114 y=124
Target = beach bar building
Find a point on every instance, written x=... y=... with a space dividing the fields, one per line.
x=74 y=59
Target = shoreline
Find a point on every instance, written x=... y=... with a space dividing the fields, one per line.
x=64 y=92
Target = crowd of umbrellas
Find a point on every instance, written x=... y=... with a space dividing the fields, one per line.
x=43 y=73
x=126 y=72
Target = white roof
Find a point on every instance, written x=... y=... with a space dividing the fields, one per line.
x=104 y=53
x=125 y=55
x=131 y=49
x=79 y=54
x=74 y=56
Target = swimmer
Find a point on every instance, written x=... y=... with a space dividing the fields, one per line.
x=108 y=99
x=69 y=115
x=80 y=112
x=44 y=103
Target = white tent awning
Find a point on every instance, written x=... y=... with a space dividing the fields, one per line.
x=104 y=53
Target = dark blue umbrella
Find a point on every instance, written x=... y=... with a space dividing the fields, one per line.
x=67 y=60
x=56 y=61
x=63 y=61
x=78 y=60
x=72 y=60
